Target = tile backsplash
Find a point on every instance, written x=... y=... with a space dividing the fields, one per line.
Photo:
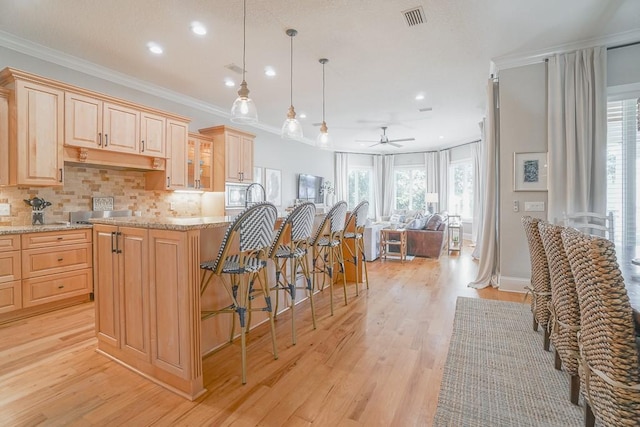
x=82 y=183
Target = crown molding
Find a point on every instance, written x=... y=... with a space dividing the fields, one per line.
x=537 y=56
x=57 y=57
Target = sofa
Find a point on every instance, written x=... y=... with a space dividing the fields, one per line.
x=426 y=234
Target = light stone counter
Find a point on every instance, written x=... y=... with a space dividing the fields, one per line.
x=21 y=229
x=167 y=223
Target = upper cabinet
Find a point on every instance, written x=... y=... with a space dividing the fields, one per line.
x=233 y=155
x=4 y=137
x=36 y=124
x=200 y=162
x=174 y=176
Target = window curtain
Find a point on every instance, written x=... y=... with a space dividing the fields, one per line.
x=477 y=200
x=342 y=176
x=431 y=168
x=378 y=186
x=388 y=186
x=443 y=182
x=488 y=235
x=577 y=132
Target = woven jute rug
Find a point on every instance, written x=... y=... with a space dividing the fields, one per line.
x=497 y=373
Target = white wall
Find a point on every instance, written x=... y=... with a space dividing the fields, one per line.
x=270 y=150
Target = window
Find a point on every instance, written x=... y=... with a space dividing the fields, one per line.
x=360 y=187
x=461 y=189
x=410 y=186
x=623 y=164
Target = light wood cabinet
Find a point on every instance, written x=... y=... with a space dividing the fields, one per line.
x=10 y=274
x=233 y=155
x=152 y=134
x=122 y=290
x=174 y=177
x=36 y=133
x=200 y=162
x=4 y=137
x=93 y=123
x=10 y=296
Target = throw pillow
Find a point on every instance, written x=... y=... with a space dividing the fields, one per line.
x=415 y=224
x=434 y=222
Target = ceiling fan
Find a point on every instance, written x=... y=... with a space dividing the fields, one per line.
x=384 y=139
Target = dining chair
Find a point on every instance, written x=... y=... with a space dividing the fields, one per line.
x=240 y=264
x=289 y=251
x=327 y=250
x=354 y=232
x=591 y=223
x=540 y=287
x=564 y=320
x=609 y=354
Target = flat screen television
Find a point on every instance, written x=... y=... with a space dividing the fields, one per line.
x=309 y=188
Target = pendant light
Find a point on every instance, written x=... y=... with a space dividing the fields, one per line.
x=323 y=140
x=291 y=129
x=243 y=109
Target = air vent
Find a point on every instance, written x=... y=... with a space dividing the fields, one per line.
x=234 y=68
x=414 y=16
x=425 y=109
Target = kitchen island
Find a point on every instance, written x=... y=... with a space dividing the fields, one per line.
x=147 y=293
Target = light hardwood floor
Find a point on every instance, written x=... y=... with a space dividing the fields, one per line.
x=378 y=361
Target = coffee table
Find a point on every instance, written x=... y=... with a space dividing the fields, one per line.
x=393 y=238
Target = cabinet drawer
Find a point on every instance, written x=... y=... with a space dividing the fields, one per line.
x=39 y=262
x=9 y=242
x=55 y=238
x=56 y=287
x=10 y=296
x=9 y=266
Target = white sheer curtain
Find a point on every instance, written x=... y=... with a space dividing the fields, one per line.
x=443 y=183
x=577 y=132
x=388 y=184
x=477 y=200
x=378 y=186
x=431 y=168
x=488 y=239
x=342 y=176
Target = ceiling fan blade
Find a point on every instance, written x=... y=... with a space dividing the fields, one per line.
x=379 y=143
x=367 y=140
x=394 y=144
x=402 y=140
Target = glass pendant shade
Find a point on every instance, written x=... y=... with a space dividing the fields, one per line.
x=324 y=139
x=291 y=129
x=243 y=109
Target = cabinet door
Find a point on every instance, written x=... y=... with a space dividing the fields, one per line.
x=121 y=127
x=246 y=166
x=40 y=123
x=205 y=163
x=152 y=129
x=4 y=137
x=105 y=279
x=133 y=276
x=176 y=168
x=192 y=160
x=82 y=121
x=10 y=296
x=233 y=153
x=10 y=269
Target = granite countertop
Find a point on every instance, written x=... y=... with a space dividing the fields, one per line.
x=20 y=229
x=166 y=223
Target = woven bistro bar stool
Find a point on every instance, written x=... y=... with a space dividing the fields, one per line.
x=327 y=250
x=289 y=251
x=609 y=355
x=540 y=287
x=354 y=231
x=240 y=263
x=564 y=320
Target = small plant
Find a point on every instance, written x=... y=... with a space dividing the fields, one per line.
x=327 y=188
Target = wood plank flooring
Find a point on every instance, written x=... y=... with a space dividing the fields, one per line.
x=377 y=362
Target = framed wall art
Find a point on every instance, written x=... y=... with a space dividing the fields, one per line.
x=530 y=171
x=273 y=185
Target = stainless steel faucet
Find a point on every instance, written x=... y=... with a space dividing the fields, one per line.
x=248 y=199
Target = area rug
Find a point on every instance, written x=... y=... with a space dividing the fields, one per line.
x=497 y=373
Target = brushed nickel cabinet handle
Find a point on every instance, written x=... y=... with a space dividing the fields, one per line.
x=61 y=286
x=99 y=139
x=143 y=145
x=106 y=139
x=61 y=174
x=60 y=259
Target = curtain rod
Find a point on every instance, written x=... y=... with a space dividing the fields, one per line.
x=623 y=45
x=412 y=152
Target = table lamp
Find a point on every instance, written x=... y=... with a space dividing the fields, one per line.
x=431 y=198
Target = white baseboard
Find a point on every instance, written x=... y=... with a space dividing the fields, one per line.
x=513 y=284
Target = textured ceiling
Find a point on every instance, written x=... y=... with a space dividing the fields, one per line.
x=377 y=64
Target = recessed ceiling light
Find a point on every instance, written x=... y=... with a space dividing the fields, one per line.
x=198 y=28
x=229 y=83
x=154 y=48
x=269 y=71
x=441 y=136
x=302 y=115
x=419 y=97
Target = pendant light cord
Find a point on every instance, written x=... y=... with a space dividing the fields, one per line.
x=244 y=38
x=291 y=81
x=323 y=92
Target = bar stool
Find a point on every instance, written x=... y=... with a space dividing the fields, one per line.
x=290 y=247
x=354 y=230
x=327 y=249
x=251 y=231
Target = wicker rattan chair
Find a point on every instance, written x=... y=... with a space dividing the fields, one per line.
x=564 y=318
x=609 y=359
x=327 y=250
x=289 y=250
x=251 y=232
x=540 y=284
x=354 y=231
